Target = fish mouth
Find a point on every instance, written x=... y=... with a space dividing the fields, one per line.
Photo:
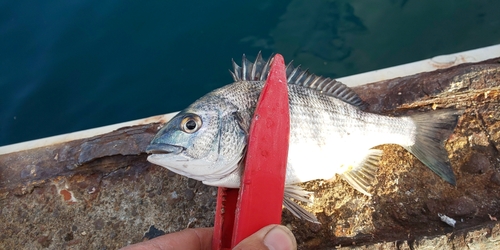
x=163 y=148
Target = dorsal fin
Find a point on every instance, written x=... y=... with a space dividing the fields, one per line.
x=258 y=71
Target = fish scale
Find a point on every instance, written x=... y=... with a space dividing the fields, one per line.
x=330 y=133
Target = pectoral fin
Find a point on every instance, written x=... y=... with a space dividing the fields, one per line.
x=362 y=173
x=299 y=194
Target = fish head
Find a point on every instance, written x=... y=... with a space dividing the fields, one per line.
x=203 y=142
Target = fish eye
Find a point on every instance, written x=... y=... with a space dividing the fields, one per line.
x=191 y=123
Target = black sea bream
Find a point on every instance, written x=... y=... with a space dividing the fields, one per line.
x=329 y=134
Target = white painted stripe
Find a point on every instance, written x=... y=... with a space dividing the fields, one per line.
x=438 y=62
x=80 y=134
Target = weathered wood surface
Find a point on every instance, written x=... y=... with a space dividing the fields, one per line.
x=101 y=193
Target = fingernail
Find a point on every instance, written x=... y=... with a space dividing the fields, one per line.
x=280 y=238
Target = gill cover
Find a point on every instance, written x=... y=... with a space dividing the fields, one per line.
x=203 y=142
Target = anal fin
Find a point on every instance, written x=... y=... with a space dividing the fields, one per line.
x=362 y=174
x=299 y=194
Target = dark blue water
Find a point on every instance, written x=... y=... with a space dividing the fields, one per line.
x=72 y=65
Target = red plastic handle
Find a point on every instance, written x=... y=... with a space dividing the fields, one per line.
x=261 y=194
x=224 y=218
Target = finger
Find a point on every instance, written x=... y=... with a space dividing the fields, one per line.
x=275 y=237
x=189 y=239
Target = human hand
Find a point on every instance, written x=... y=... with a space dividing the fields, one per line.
x=273 y=237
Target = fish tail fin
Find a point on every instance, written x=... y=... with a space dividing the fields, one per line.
x=432 y=130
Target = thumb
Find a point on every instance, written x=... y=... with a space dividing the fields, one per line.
x=272 y=237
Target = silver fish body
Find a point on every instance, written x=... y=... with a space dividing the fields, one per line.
x=329 y=133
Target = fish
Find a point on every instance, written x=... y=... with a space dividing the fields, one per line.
x=330 y=134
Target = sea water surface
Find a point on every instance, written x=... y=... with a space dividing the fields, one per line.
x=72 y=65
